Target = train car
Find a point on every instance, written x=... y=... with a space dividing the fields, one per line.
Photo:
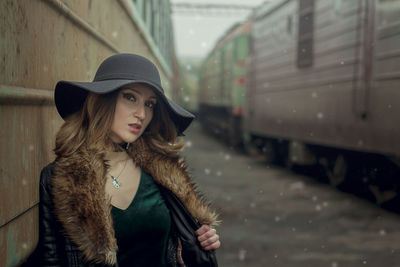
x=222 y=84
x=189 y=70
x=323 y=87
x=41 y=42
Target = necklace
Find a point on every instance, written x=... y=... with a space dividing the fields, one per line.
x=117 y=184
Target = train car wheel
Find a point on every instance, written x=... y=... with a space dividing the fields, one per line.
x=336 y=171
x=382 y=196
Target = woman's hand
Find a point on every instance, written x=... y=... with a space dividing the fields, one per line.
x=208 y=237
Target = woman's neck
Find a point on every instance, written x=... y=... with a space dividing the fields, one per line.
x=116 y=156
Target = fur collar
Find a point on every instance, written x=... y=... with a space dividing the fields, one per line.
x=84 y=210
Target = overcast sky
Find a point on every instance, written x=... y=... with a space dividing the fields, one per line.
x=196 y=34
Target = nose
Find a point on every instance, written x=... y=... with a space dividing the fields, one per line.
x=140 y=112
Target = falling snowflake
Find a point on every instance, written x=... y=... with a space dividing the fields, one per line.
x=314 y=198
x=186 y=99
x=24 y=245
x=252 y=205
x=227 y=157
x=360 y=142
x=188 y=67
x=188 y=143
x=219 y=173
x=334 y=264
x=275 y=256
x=207 y=171
x=277 y=218
x=318 y=208
x=242 y=254
x=31 y=147
x=320 y=115
x=115 y=34
x=314 y=95
x=297 y=186
x=325 y=204
x=382 y=232
x=204 y=44
x=24 y=182
x=45 y=68
x=389 y=106
x=364 y=262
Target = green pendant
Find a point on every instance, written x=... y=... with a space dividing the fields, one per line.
x=116 y=184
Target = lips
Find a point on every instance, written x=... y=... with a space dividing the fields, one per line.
x=135 y=127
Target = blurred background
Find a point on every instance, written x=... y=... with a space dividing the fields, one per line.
x=296 y=140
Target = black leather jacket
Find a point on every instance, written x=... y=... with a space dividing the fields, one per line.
x=54 y=247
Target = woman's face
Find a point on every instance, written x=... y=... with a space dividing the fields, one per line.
x=133 y=112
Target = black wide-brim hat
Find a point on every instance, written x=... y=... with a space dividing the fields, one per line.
x=113 y=73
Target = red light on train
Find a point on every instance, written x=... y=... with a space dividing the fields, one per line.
x=238 y=111
x=240 y=80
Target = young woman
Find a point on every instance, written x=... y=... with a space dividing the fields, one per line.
x=100 y=201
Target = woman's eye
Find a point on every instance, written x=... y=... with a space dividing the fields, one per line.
x=128 y=96
x=150 y=104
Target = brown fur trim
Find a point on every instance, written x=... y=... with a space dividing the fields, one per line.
x=82 y=207
x=84 y=210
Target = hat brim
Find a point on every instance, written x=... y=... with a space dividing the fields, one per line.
x=69 y=97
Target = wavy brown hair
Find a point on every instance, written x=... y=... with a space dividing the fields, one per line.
x=90 y=127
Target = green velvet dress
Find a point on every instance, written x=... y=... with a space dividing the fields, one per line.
x=142 y=229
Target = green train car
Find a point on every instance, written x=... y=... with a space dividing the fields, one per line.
x=223 y=85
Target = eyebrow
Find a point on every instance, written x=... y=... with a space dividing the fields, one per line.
x=138 y=92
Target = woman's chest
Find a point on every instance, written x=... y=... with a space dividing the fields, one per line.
x=122 y=186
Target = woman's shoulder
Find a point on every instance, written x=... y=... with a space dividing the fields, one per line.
x=46 y=174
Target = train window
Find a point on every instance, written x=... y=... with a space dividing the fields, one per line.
x=305 y=36
x=145 y=7
x=289 y=24
x=338 y=6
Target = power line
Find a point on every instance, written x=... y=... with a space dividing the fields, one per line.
x=210 y=9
